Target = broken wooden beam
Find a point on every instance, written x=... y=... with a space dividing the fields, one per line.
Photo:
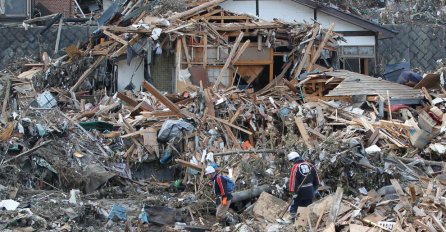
x=5 y=101
x=132 y=102
x=196 y=166
x=303 y=132
x=186 y=51
x=87 y=73
x=306 y=54
x=335 y=208
x=321 y=47
x=163 y=99
x=240 y=51
x=230 y=124
x=195 y=10
x=115 y=37
x=249 y=152
x=228 y=60
x=28 y=152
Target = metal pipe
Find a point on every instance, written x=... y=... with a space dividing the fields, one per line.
x=249 y=193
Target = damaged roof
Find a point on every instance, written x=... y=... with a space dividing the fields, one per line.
x=351 y=18
x=359 y=84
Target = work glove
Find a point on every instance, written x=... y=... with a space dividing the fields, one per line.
x=294 y=196
x=224 y=201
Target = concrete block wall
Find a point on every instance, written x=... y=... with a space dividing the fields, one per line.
x=419 y=44
x=16 y=42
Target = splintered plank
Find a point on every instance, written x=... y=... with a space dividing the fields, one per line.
x=228 y=60
x=230 y=124
x=334 y=211
x=321 y=136
x=205 y=51
x=87 y=73
x=115 y=37
x=5 y=101
x=195 y=10
x=303 y=132
x=132 y=102
x=306 y=54
x=321 y=47
x=374 y=137
x=163 y=99
x=241 y=50
x=123 y=49
x=232 y=136
x=399 y=191
x=237 y=113
x=196 y=166
x=209 y=103
x=438 y=221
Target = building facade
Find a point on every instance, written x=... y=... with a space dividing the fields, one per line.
x=358 y=53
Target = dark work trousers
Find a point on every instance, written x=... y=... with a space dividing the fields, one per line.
x=299 y=202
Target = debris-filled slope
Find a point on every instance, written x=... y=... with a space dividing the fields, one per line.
x=87 y=148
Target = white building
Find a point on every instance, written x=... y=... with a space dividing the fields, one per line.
x=362 y=35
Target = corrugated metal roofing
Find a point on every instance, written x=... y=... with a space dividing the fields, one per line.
x=359 y=84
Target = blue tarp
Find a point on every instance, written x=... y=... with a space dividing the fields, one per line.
x=393 y=71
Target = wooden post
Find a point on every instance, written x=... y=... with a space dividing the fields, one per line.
x=59 y=31
x=5 y=101
x=205 y=51
x=178 y=63
x=186 y=51
x=366 y=66
x=390 y=109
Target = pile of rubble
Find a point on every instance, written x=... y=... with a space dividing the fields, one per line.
x=80 y=152
x=395 y=12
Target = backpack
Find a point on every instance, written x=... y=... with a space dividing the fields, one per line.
x=230 y=185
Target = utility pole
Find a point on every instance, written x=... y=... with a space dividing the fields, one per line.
x=257 y=8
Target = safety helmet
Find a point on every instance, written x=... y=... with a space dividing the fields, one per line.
x=293 y=155
x=209 y=170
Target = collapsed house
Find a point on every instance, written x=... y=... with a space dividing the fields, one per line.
x=89 y=144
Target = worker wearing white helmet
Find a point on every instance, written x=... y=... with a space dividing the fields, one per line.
x=304 y=181
x=223 y=187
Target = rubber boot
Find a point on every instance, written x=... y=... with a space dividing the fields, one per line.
x=293 y=217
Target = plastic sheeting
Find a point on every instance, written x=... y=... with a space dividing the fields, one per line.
x=174 y=129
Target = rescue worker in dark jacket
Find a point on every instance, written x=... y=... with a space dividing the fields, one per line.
x=304 y=182
x=220 y=187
